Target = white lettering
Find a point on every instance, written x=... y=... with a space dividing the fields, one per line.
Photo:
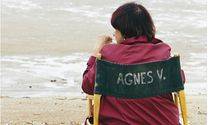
x=120 y=78
x=151 y=78
x=143 y=77
x=129 y=82
x=160 y=75
x=136 y=78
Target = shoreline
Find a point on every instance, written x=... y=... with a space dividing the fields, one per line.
x=62 y=110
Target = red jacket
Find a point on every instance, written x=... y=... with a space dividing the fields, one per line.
x=159 y=110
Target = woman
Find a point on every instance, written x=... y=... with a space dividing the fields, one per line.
x=136 y=43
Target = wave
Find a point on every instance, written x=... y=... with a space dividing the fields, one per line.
x=62 y=75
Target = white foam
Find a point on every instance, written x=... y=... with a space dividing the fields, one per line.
x=20 y=4
x=66 y=70
x=38 y=71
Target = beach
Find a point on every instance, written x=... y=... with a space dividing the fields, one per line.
x=45 y=46
x=72 y=111
x=42 y=111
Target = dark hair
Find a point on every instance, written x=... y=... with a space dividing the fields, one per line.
x=132 y=20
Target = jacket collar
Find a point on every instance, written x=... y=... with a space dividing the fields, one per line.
x=138 y=40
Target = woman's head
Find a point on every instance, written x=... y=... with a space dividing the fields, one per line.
x=131 y=20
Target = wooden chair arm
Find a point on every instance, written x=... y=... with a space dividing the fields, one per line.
x=90 y=99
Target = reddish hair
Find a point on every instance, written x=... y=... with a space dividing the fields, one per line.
x=132 y=20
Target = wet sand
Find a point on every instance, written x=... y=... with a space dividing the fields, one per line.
x=72 y=111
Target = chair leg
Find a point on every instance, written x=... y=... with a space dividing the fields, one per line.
x=89 y=106
x=96 y=108
x=183 y=107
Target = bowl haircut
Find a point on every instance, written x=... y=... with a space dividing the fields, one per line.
x=133 y=20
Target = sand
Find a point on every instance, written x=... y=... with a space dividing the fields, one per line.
x=72 y=111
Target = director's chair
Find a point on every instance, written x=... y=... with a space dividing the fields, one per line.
x=107 y=78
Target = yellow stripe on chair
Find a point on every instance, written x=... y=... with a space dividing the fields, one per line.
x=96 y=101
x=183 y=107
x=96 y=108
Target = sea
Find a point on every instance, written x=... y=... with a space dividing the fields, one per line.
x=45 y=44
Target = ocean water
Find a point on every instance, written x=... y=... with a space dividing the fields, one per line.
x=49 y=40
x=34 y=76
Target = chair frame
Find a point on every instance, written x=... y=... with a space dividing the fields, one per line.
x=93 y=104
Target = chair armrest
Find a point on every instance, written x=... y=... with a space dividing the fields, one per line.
x=91 y=97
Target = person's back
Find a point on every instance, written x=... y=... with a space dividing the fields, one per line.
x=158 y=110
x=136 y=44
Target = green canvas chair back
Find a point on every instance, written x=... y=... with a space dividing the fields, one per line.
x=136 y=80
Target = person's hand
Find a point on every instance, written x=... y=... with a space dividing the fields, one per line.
x=103 y=40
